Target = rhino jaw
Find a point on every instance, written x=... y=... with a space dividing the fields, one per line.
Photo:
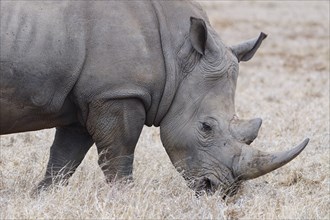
x=254 y=163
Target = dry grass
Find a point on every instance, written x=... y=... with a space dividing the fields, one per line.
x=287 y=84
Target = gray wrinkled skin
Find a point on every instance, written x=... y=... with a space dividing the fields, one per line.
x=99 y=71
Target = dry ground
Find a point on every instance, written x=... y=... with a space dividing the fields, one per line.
x=286 y=84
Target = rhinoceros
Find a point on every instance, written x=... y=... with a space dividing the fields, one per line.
x=99 y=71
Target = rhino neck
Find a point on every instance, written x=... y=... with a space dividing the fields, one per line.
x=173 y=23
x=170 y=64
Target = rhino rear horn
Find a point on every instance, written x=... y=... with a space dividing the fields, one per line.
x=254 y=163
x=246 y=130
x=198 y=34
x=245 y=51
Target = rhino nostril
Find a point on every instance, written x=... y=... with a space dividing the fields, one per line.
x=207 y=183
x=205 y=186
x=209 y=186
x=248 y=142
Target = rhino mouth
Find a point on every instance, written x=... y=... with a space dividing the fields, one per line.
x=207 y=182
x=205 y=186
x=208 y=186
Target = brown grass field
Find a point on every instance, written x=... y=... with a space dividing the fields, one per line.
x=286 y=84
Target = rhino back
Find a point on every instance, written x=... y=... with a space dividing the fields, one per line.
x=89 y=50
x=42 y=52
x=82 y=49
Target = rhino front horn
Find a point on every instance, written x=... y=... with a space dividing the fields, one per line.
x=253 y=163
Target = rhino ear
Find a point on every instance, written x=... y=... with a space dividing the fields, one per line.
x=246 y=50
x=198 y=34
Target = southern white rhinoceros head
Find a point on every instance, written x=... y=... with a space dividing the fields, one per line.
x=201 y=133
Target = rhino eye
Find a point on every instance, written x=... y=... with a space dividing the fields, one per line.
x=206 y=127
